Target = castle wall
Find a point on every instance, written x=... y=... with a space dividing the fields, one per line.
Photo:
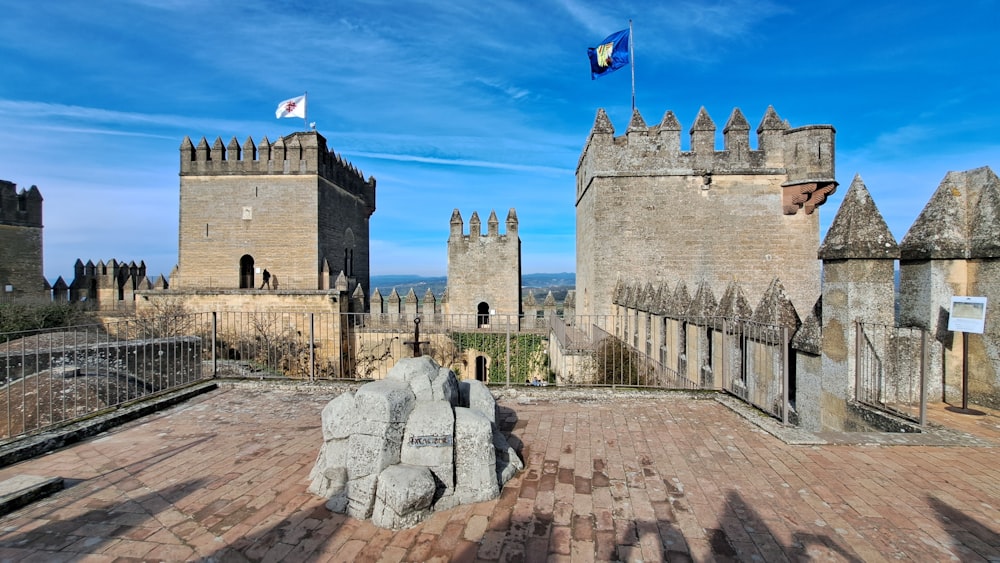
x=648 y=211
x=223 y=218
x=21 y=267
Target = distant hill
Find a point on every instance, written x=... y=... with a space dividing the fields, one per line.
x=538 y=284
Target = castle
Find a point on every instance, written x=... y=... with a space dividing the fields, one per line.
x=676 y=247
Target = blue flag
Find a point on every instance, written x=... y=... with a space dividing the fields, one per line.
x=610 y=55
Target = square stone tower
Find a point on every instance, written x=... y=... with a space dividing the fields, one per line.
x=20 y=241
x=648 y=212
x=484 y=272
x=293 y=208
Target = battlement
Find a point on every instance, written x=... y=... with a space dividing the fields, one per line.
x=298 y=153
x=803 y=156
x=475 y=227
x=22 y=209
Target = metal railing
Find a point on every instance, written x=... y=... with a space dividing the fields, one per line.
x=891 y=369
x=640 y=349
x=50 y=378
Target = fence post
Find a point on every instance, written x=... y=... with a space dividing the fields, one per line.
x=785 y=402
x=723 y=357
x=923 y=376
x=312 y=347
x=507 y=325
x=857 y=360
x=215 y=331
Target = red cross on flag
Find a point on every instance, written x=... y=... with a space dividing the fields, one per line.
x=294 y=107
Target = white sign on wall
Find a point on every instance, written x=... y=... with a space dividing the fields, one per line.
x=968 y=314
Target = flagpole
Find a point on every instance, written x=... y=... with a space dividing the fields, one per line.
x=305 y=114
x=631 y=56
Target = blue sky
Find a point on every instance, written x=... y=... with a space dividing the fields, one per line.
x=474 y=105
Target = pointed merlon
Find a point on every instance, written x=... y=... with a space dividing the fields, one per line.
x=358 y=292
x=858 y=231
x=775 y=308
x=637 y=123
x=960 y=221
x=511 y=220
x=736 y=122
x=602 y=124
x=669 y=122
x=771 y=122
x=493 y=224
x=703 y=122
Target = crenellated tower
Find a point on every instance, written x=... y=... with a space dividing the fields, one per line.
x=21 y=241
x=648 y=211
x=484 y=272
x=293 y=207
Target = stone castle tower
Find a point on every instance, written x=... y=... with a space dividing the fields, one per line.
x=648 y=212
x=293 y=208
x=21 y=272
x=484 y=272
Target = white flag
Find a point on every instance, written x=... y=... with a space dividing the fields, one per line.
x=295 y=107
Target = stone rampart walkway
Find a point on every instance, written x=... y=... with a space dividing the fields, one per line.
x=223 y=477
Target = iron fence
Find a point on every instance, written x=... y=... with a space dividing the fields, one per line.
x=50 y=378
x=891 y=369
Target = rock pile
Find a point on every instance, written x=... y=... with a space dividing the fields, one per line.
x=415 y=442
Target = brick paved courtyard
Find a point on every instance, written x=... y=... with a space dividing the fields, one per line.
x=644 y=477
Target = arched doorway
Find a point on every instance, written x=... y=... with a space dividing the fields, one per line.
x=246 y=272
x=483 y=315
x=481 y=374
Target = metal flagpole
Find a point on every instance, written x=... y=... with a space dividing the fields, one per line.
x=305 y=114
x=631 y=56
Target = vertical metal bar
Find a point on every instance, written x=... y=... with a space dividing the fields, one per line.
x=965 y=371
x=923 y=377
x=507 y=330
x=312 y=347
x=785 y=399
x=857 y=359
x=215 y=332
x=724 y=357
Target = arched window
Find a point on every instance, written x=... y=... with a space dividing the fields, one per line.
x=246 y=272
x=483 y=315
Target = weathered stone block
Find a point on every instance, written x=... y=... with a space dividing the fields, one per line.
x=385 y=400
x=445 y=387
x=339 y=417
x=475 y=457
x=417 y=373
x=479 y=398
x=403 y=496
x=508 y=462
x=429 y=439
x=369 y=455
x=361 y=496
